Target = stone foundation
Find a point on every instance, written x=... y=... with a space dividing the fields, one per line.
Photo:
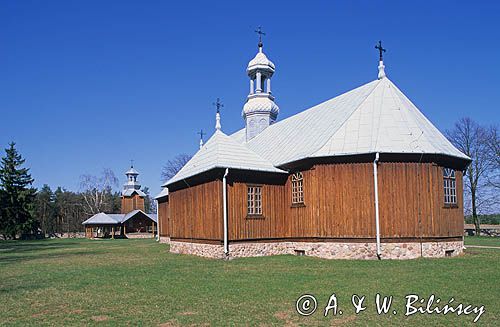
x=326 y=250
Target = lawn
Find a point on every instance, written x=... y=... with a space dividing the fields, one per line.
x=137 y=282
x=483 y=241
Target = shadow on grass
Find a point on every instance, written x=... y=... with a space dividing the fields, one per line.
x=9 y=259
x=28 y=246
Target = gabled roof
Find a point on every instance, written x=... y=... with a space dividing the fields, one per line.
x=375 y=117
x=102 y=218
x=131 y=191
x=221 y=151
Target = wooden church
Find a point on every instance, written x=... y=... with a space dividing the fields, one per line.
x=133 y=221
x=364 y=175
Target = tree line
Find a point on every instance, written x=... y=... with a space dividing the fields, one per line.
x=26 y=212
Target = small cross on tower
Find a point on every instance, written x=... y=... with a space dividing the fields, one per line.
x=132 y=163
x=380 y=49
x=218 y=105
x=201 y=133
x=260 y=32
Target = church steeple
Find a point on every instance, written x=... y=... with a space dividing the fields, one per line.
x=132 y=196
x=260 y=110
x=132 y=183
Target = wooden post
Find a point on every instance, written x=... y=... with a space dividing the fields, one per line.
x=153 y=228
x=124 y=230
x=113 y=232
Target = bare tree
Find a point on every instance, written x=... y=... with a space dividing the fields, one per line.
x=494 y=151
x=97 y=191
x=472 y=140
x=173 y=166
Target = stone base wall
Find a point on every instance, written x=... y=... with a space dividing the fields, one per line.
x=164 y=239
x=326 y=250
x=140 y=235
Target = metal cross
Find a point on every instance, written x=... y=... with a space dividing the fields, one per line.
x=380 y=49
x=218 y=105
x=259 y=31
x=201 y=133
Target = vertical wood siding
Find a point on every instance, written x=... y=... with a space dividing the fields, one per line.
x=196 y=212
x=338 y=203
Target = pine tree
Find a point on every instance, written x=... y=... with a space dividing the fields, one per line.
x=17 y=195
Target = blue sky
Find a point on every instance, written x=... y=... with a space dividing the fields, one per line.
x=86 y=85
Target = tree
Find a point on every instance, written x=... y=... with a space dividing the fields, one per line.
x=173 y=166
x=472 y=140
x=17 y=195
x=494 y=151
x=45 y=210
x=97 y=191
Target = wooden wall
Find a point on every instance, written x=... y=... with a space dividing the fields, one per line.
x=196 y=212
x=409 y=192
x=339 y=203
x=164 y=217
x=130 y=203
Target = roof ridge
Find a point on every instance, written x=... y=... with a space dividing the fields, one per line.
x=348 y=117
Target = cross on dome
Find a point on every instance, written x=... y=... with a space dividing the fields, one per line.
x=381 y=67
x=260 y=32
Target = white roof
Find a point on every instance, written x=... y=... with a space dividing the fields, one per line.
x=221 y=151
x=131 y=191
x=260 y=61
x=116 y=218
x=376 y=117
x=132 y=171
x=163 y=193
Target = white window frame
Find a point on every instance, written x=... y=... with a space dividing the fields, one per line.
x=297 y=188
x=254 y=200
x=449 y=187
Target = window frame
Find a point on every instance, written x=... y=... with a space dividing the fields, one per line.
x=450 y=198
x=297 y=189
x=254 y=201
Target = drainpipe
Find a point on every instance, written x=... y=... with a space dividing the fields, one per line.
x=224 y=203
x=157 y=220
x=377 y=223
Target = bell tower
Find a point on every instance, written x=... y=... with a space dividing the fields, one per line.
x=260 y=110
x=132 y=196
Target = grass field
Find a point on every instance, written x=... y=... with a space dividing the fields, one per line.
x=137 y=282
x=483 y=241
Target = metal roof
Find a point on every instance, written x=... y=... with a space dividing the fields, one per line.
x=221 y=151
x=375 y=117
x=129 y=192
x=116 y=218
x=163 y=193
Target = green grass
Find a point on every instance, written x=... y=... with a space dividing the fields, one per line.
x=137 y=282
x=483 y=241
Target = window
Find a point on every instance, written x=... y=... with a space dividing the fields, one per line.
x=297 y=188
x=449 y=185
x=254 y=200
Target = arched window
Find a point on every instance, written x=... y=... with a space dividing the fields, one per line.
x=297 y=188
